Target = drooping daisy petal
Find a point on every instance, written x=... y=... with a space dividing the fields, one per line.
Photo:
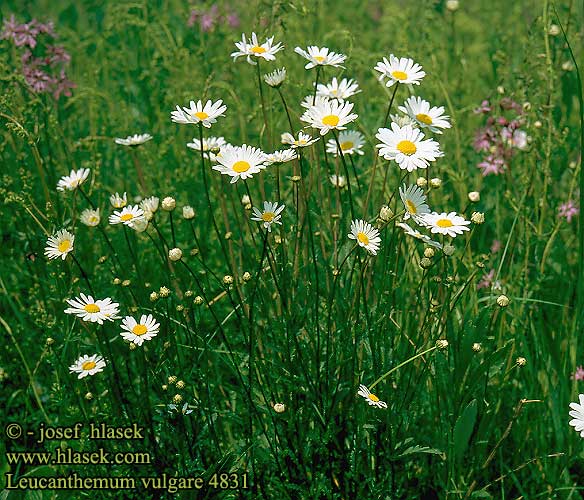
x=414 y=233
x=365 y=235
x=59 y=245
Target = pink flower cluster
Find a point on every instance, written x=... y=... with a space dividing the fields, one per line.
x=568 y=210
x=43 y=64
x=209 y=19
x=578 y=374
x=501 y=137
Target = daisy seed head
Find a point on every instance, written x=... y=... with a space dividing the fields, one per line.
x=502 y=301
x=168 y=204
x=175 y=254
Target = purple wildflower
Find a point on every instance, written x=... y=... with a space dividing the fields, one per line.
x=568 y=210
x=579 y=373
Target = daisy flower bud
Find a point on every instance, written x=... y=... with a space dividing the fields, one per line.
x=521 y=361
x=172 y=379
x=116 y=281
x=153 y=297
x=526 y=106
x=452 y=5
x=275 y=78
x=168 y=204
x=177 y=398
x=180 y=384
x=198 y=300
x=474 y=196
x=175 y=254
x=477 y=218
x=164 y=387
x=89 y=396
x=502 y=301
x=50 y=341
x=476 y=347
x=228 y=279
x=435 y=182
x=554 y=30
x=442 y=343
x=189 y=293
x=537 y=124
x=425 y=263
x=421 y=182
x=164 y=292
x=279 y=408
x=448 y=250
x=126 y=283
x=429 y=253
x=246 y=276
x=188 y=212
x=386 y=213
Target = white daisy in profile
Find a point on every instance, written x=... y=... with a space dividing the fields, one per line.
x=133 y=140
x=371 y=398
x=127 y=216
x=577 y=414
x=407 y=147
x=338 y=90
x=275 y=78
x=281 y=156
x=271 y=214
x=425 y=116
x=365 y=235
x=150 y=204
x=138 y=332
x=211 y=146
x=118 y=201
x=338 y=181
x=402 y=70
x=301 y=141
x=312 y=100
x=197 y=113
x=350 y=141
x=414 y=233
x=240 y=162
x=90 y=217
x=445 y=223
x=414 y=201
x=330 y=115
x=59 y=245
x=318 y=56
x=73 y=180
x=252 y=48
x=87 y=365
x=95 y=311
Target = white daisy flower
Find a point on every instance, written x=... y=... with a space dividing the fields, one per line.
x=73 y=180
x=320 y=57
x=136 y=332
x=338 y=90
x=425 y=116
x=312 y=100
x=197 y=113
x=87 y=365
x=414 y=201
x=402 y=70
x=577 y=412
x=338 y=181
x=301 y=141
x=211 y=146
x=405 y=145
x=251 y=48
x=118 y=201
x=402 y=120
x=365 y=235
x=133 y=140
x=275 y=78
x=240 y=161
x=414 y=233
x=270 y=215
x=128 y=215
x=150 y=204
x=281 y=156
x=330 y=115
x=59 y=245
x=350 y=141
x=90 y=217
x=371 y=398
x=445 y=223
x=95 y=311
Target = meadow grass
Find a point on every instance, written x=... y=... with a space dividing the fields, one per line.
x=468 y=343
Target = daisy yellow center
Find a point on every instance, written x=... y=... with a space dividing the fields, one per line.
x=319 y=58
x=201 y=115
x=330 y=120
x=362 y=238
x=424 y=118
x=268 y=216
x=411 y=207
x=91 y=308
x=347 y=145
x=302 y=142
x=258 y=50
x=139 y=330
x=93 y=219
x=241 y=166
x=444 y=223
x=373 y=398
x=399 y=75
x=126 y=217
x=407 y=147
x=64 y=245
x=88 y=365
